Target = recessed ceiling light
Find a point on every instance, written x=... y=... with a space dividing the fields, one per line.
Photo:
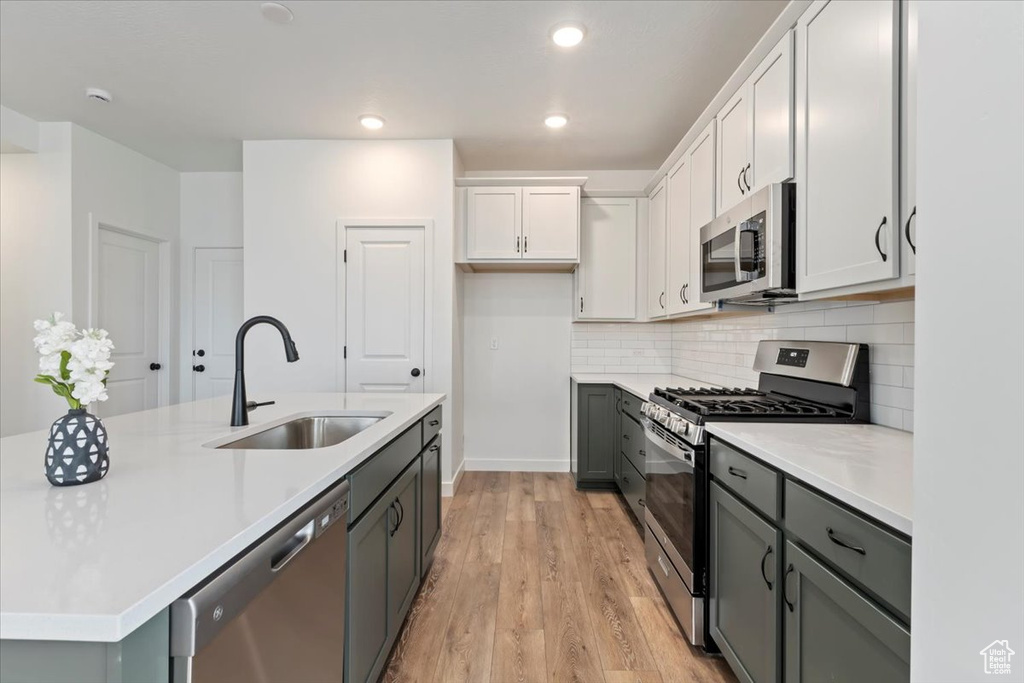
x=371 y=121
x=99 y=95
x=567 y=35
x=556 y=120
x=276 y=12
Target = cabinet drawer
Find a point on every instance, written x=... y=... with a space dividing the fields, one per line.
x=632 y=444
x=631 y=405
x=431 y=425
x=869 y=555
x=632 y=487
x=377 y=473
x=754 y=482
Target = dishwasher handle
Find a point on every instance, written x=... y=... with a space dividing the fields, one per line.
x=198 y=616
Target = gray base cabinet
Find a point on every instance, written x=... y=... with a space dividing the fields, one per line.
x=595 y=434
x=834 y=633
x=404 y=547
x=745 y=604
x=430 y=511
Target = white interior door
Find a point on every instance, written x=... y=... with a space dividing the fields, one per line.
x=217 y=315
x=128 y=307
x=385 y=286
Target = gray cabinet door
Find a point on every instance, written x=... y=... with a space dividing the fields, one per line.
x=745 y=619
x=833 y=632
x=596 y=424
x=403 y=546
x=430 y=510
x=616 y=451
x=367 y=606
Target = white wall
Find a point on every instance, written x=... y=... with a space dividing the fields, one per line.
x=211 y=216
x=517 y=397
x=115 y=186
x=294 y=193
x=35 y=262
x=968 y=564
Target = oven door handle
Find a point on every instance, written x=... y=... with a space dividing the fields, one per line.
x=684 y=454
x=751 y=227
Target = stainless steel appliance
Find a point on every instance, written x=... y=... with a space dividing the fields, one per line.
x=748 y=254
x=799 y=382
x=274 y=613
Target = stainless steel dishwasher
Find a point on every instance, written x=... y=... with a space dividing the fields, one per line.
x=277 y=612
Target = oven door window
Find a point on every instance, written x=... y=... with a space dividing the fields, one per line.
x=718 y=268
x=670 y=498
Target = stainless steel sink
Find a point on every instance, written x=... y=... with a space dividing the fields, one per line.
x=307 y=432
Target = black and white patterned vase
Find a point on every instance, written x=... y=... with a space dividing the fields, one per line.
x=77 y=450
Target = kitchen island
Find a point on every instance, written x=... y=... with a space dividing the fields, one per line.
x=93 y=563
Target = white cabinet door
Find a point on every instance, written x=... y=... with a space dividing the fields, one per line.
x=701 y=157
x=908 y=141
x=494 y=229
x=733 y=139
x=656 y=243
x=679 y=236
x=551 y=223
x=770 y=97
x=606 y=277
x=847 y=120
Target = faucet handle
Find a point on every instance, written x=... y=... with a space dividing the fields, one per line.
x=253 y=405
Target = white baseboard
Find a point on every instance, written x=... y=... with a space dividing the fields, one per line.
x=448 y=488
x=516 y=465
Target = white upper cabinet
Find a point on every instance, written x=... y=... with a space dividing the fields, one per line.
x=908 y=141
x=847 y=123
x=551 y=223
x=494 y=225
x=656 y=262
x=755 y=130
x=528 y=223
x=606 y=276
x=701 y=157
x=680 y=237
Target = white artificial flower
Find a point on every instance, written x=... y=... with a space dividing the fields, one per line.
x=55 y=335
x=89 y=357
x=90 y=391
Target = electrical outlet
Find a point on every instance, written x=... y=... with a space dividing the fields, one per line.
x=494 y=343
x=638 y=353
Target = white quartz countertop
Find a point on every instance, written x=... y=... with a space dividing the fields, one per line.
x=868 y=467
x=94 y=562
x=639 y=384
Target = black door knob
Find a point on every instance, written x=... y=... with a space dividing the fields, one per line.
x=201 y=353
x=198 y=368
x=154 y=366
x=415 y=372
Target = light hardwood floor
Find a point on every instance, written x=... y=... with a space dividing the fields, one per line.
x=534 y=581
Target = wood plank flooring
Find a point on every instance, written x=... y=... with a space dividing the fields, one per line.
x=536 y=582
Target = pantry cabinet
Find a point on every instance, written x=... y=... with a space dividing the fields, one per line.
x=522 y=223
x=847 y=123
x=656 y=256
x=606 y=276
x=755 y=130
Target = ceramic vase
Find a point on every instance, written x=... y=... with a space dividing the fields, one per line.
x=77 y=451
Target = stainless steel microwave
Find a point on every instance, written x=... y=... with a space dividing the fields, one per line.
x=748 y=254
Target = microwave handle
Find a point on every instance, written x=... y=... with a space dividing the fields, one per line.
x=749 y=227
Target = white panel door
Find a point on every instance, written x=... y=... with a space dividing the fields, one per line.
x=847 y=122
x=217 y=315
x=702 y=206
x=908 y=140
x=679 y=237
x=733 y=131
x=128 y=307
x=385 y=285
x=770 y=93
x=606 y=277
x=656 y=243
x=494 y=219
x=551 y=223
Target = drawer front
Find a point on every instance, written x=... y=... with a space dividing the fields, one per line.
x=876 y=559
x=431 y=425
x=377 y=473
x=756 y=484
x=632 y=444
x=631 y=405
x=633 y=487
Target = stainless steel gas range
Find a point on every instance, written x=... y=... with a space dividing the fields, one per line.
x=799 y=382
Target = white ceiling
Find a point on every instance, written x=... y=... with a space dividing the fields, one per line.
x=193 y=79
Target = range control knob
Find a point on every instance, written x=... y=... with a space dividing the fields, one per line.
x=683 y=428
x=673 y=424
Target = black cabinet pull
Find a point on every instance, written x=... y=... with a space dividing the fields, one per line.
x=641 y=503
x=526 y=243
x=391 y=532
x=906 y=230
x=785 y=597
x=681 y=297
x=686 y=295
x=434 y=423
x=744 y=175
x=661 y=299
x=763 y=575
x=401 y=513
x=737 y=473
x=643 y=453
x=843 y=544
x=154 y=366
x=738 y=183
x=878 y=245
x=625 y=479
x=626 y=437
x=581 y=304
x=435 y=448
x=517 y=244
